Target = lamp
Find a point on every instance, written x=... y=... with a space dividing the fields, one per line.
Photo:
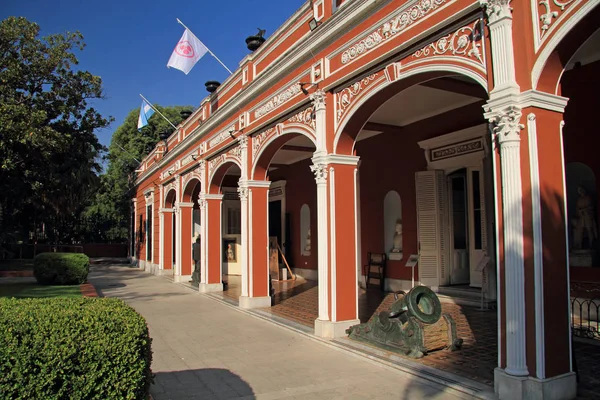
x=302 y=84
x=313 y=23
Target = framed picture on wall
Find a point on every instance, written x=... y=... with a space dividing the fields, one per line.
x=229 y=250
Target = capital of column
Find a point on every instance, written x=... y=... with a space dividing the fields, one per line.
x=318 y=99
x=176 y=208
x=496 y=10
x=243 y=193
x=320 y=171
x=201 y=202
x=506 y=125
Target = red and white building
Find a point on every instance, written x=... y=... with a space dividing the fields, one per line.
x=468 y=121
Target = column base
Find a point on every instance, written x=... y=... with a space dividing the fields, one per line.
x=562 y=387
x=182 y=278
x=209 y=287
x=255 y=302
x=331 y=330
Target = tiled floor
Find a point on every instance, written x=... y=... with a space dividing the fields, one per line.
x=298 y=301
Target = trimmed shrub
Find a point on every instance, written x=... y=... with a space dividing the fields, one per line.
x=61 y=268
x=89 y=348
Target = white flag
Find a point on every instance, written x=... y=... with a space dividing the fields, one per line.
x=187 y=52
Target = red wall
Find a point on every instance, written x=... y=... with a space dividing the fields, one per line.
x=300 y=189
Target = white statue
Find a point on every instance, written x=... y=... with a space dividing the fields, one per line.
x=585 y=221
x=230 y=255
x=307 y=244
x=397 y=238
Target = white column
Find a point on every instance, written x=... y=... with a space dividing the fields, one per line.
x=318 y=100
x=320 y=171
x=499 y=15
x=161 y=239
x=506 y=128
x=243 y=194
x=203 y=236
x=177 y=267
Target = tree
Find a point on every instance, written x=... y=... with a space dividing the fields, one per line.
x=50 y=155
x=108 y=216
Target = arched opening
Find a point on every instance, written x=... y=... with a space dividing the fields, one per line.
x=224 y=181
x=426 y=189
x=169 y=229
x=285 y=159
x=186 y=230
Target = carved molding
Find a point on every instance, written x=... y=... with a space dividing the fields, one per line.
x=346 y=97
x=464 y=42
x=546 y=14
x=243 y=193
x=304 y=117
x=391 y=28
x=277 y=100
x=507 y=126
x=220 y=137
x=259 y=140
x=243 y=141
x=318 y=99
x=496 y=10
x=320 y=171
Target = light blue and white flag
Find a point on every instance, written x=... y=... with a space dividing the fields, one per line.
x=146 y=112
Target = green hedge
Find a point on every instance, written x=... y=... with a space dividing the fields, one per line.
x=89 y=348
x=61 y=268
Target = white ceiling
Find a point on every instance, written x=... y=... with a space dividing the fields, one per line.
x=588 y=53
x=411 y=105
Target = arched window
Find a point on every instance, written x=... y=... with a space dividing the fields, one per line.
x=392 y=225
x=305 y=234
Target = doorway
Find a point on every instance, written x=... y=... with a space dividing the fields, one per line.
x=459 y=232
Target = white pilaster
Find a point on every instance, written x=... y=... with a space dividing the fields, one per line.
x=506 y=128
x=499 y=15
x=318 y=100
x=161 y=239
x=177 y=266
x=243 y=194
x=203 y=237
x=320 y=171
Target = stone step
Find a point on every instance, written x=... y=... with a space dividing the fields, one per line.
x=460 y=291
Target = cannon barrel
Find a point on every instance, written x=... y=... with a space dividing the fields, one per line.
x=420 y=302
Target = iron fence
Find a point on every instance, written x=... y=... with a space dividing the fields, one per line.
x=584 y=318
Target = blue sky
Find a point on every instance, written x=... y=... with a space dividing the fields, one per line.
x=129 y=42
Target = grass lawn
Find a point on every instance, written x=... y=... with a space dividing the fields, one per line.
x=16 y=265
x=32 y=289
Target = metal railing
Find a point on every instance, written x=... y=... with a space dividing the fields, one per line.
x=584 y=318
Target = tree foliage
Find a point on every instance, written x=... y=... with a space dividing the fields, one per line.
x=109 y=215
x=50 y=155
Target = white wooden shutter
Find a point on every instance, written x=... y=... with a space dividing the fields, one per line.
x=431 y=193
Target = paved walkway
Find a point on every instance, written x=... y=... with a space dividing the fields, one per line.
x=205 y=349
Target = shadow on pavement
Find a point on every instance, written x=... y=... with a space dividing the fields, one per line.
x=209 y=383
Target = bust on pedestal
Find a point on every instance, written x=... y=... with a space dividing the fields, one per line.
x=585 y=232
x=307 y=244
x=396 y=251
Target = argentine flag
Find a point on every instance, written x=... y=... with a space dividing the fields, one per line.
x=146 y=112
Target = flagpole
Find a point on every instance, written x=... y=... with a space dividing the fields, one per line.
x=159 y=113
x=128 y=153
x=211 y=53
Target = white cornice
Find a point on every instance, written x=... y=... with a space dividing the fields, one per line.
x=213 y=197
x=338 y=24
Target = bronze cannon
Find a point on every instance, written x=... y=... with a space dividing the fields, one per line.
x=413 y=325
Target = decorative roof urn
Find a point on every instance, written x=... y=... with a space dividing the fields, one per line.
x=185 y=114
x=211 y=86
x=255 y=41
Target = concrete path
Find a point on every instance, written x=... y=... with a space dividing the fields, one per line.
x=204 y=349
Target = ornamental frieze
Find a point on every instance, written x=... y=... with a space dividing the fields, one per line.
x=234 y=153
x=259 y=140
x=457 y=149
x=392 y=27
x=304 y=117
x=465 y=42
x=220 y=137
x=547 y=13
x=277 y=100
x=347 y=96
